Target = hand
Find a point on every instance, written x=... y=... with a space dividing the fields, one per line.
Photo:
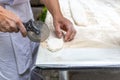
x=65 y=25
x=9 y=22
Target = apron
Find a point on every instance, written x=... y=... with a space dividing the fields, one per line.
x=13 y=47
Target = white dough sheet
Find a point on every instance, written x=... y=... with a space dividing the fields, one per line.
x=97 y=23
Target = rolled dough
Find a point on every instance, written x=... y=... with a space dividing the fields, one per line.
x=54 y=44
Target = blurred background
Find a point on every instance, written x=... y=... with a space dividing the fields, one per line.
x=39 y=10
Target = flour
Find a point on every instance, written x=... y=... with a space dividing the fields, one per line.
x=97 y=23
x=78 y=13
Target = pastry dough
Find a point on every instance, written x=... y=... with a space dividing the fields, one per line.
x=54 y=44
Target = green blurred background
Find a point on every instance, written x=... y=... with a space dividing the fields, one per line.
x=39 y=10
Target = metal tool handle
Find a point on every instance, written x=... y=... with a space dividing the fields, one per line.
x=30 y=26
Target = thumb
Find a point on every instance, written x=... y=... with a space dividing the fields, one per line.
x=22 y=28
x=58 y=31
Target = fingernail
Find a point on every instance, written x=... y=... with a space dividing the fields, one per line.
x=65 y=39
x=59 y=35
x=24 y=35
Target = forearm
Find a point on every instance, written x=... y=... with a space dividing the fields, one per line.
x=53 y=7
x=60 y=22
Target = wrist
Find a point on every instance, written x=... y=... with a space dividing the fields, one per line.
x=58 y=17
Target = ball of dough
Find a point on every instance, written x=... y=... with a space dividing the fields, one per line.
x=55 y=44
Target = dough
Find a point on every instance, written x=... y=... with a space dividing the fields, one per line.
x=54 y=44
x=78 y=13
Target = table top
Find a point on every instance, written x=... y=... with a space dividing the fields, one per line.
x=76 y=58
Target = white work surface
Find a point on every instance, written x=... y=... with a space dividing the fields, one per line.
x=78 y=58
x=97 y=23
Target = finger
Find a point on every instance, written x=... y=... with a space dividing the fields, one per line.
x=58 y=31
x=3 y=30
x=3 y=23
x=72 y=35
x=5 y=27
x=21 y=28
x=12 y=26
x=68 y=33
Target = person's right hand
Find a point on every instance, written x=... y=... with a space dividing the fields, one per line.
x=9 y=22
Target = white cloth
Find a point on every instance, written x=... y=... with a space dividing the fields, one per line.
x=16 y=52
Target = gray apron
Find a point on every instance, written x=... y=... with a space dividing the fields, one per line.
x=14 y=49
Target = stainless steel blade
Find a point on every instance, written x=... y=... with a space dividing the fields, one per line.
x=40 y=26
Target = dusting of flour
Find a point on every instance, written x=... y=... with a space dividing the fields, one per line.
x=97 y=23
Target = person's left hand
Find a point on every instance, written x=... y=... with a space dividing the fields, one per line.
x=65 y=25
